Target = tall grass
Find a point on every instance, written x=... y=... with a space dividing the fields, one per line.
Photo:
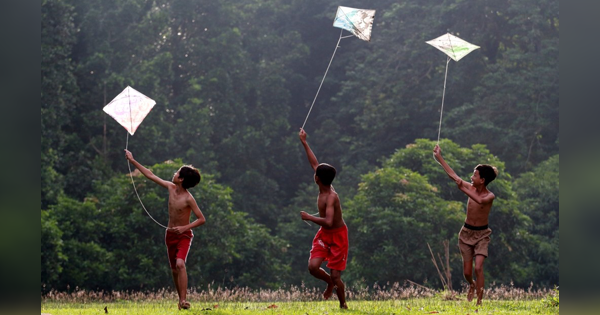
x=394 y=291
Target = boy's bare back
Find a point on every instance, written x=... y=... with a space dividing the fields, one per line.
x=332 y=198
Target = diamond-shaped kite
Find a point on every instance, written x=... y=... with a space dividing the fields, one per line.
x=357 y=21
x=129 y=108
x=456 y=49
x=452 y=46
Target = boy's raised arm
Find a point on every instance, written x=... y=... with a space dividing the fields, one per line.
x=437 y=153
x=312 y=159
x=146 y=171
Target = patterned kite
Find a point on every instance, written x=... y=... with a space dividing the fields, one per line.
x=359 y=22
x=129 y=108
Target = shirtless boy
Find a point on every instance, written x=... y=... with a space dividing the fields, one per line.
x=331 y=241
x=474 y=236
x=179 y=235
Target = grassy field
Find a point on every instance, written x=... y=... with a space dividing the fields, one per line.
x=412 y=306
x=301 y=301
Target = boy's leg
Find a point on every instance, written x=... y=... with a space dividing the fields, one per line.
x=479 y=259
x=314 y=267
x=336 y=278
x=176 y=281
x=468 y=273
x=181 y=282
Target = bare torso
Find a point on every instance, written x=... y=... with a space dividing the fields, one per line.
x=179 y=209
x=338 y=220
x=478 y=214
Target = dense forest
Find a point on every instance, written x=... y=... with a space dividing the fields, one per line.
x=233 y=81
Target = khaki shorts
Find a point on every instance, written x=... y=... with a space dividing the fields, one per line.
x=473 y=242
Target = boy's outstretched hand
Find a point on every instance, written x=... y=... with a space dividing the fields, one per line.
x=437 y=151
x=128 y=155
x=302 y=135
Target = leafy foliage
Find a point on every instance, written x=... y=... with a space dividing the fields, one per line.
x=111 y=244
x=410 y=202
x=538 y=192
x=233 y=81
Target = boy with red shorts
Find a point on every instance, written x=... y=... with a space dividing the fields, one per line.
x=474 y=236
x=178 y=236
x=331 y=241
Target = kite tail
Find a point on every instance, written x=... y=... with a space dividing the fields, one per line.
x=313 y=103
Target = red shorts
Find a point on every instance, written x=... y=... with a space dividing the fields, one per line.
x=178 y=246
x=331 y=244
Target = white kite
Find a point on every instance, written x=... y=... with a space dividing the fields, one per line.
x=359 y=22
x=456 y=49
x=452 y=46
x=129 y=109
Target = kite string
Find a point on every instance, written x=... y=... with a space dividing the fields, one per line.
x=136 y=192
x=443 y=94
x=129 y=166
x=442 y=109
x=313 y=103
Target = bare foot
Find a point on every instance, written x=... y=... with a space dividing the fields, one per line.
x=344 y=306
x=328 y=292
x=479 y=296
x=471 y=293
x=184 y=305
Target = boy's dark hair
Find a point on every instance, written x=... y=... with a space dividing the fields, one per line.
x=487 y=172
x=191 y=176
x=326 y=173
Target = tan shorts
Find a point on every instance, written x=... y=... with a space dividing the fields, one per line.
x=473 y=242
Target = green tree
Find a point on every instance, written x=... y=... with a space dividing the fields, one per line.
x=53 y=258
x=58 y=93
x=86 y=261
x=109 y=243
x=410 y=202
x=538 y=192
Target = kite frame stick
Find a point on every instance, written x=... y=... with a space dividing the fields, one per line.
x=320 y=85
x=129 y=167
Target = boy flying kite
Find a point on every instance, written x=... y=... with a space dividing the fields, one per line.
x=474 y=236
x=179 y=235
x=331 y=241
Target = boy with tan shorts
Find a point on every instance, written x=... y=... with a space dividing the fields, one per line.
x=474 y=236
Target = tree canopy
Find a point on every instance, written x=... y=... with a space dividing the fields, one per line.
x=233 y=81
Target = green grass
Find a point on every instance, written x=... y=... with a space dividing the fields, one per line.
x=408 y=306
x=388 y=299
